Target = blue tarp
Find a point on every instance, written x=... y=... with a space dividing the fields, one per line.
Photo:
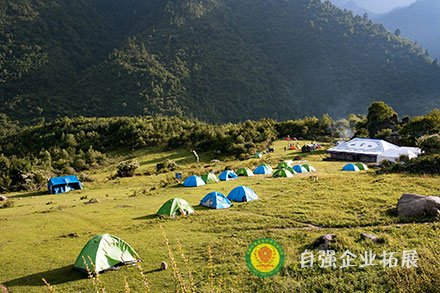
x=63 y=184
x=242 y=193
x=193 y=181
x=215 y=200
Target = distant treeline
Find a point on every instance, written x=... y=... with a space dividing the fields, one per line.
x=28 y=155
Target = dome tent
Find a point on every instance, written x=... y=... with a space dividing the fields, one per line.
x=107 y=252
x=257 y=155
x=300 y=169
x=175 y=206
x=215 y=200
x=361 y=166
x=244 y=172
x=291 y=170
x=309 y=168
x=263 y=169
x=350 y=167
x=193 y=181
x=210 y=178
x=242 y=193
x=283 y=164
x=282 y=173
x=227 y=175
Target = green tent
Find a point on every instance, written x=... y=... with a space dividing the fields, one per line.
x=361 y=166
x=282 y=173
x=210 y=178
x=257 y=155
x=175 y=206
x=309 y=168
x=290 y=169
x=282 y=165
x=244 y=172
x=106 y=252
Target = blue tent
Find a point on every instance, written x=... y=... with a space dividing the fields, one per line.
x=242 y=193
x=193 y=181
x=262 y=169
x=215 y=200
x=63 y=184
x=350 y=167
x=227 y=175
x=299 y=169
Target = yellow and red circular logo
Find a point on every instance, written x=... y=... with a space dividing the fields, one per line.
x=265 y=257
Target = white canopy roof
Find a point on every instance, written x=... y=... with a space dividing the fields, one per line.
x=366 y=146
x=393 y=155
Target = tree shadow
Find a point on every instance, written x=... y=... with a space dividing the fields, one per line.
x=29 y=194
x=56 y=276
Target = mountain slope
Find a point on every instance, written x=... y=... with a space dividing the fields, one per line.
x=418 y=22
x=217 y=60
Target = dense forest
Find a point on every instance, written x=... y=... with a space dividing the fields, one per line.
x=215 y=60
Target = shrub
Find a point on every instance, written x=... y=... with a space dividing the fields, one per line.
x=166 y=166
x=7 y=204
x=127 y=169
x=430 y=143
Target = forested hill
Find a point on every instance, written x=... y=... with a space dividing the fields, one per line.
x=419 y=22
x=217 y=60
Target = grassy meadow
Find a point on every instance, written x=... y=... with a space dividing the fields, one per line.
x=42 y=234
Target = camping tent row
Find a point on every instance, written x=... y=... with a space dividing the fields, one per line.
x=263 y=169
x=370 y=151
x=107 y=252
x=285 y=170
x=355 y=167
x=195 y=181
x=215 y=200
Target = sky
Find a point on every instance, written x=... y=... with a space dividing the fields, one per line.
x=378 y=6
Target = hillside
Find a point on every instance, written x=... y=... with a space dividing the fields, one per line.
x=417 y=22
x=376 y=7
x=354 y=6
x=217 y=60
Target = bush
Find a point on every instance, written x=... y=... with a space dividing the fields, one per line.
x=430 y=143
x=166 y=166
x=7 y=204
x=127 y=169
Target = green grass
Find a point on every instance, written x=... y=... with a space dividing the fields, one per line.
x=35 y=241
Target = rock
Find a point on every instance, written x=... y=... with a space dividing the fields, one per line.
x=323 y=242
x=3 y=289
x=414 y=205
x=49 y=202
x=163 y=266
x=369 y=236
x=92 y=201
x=3 y=198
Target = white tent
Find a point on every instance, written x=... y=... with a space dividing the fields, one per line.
x=393 y=154
x=364 y=146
